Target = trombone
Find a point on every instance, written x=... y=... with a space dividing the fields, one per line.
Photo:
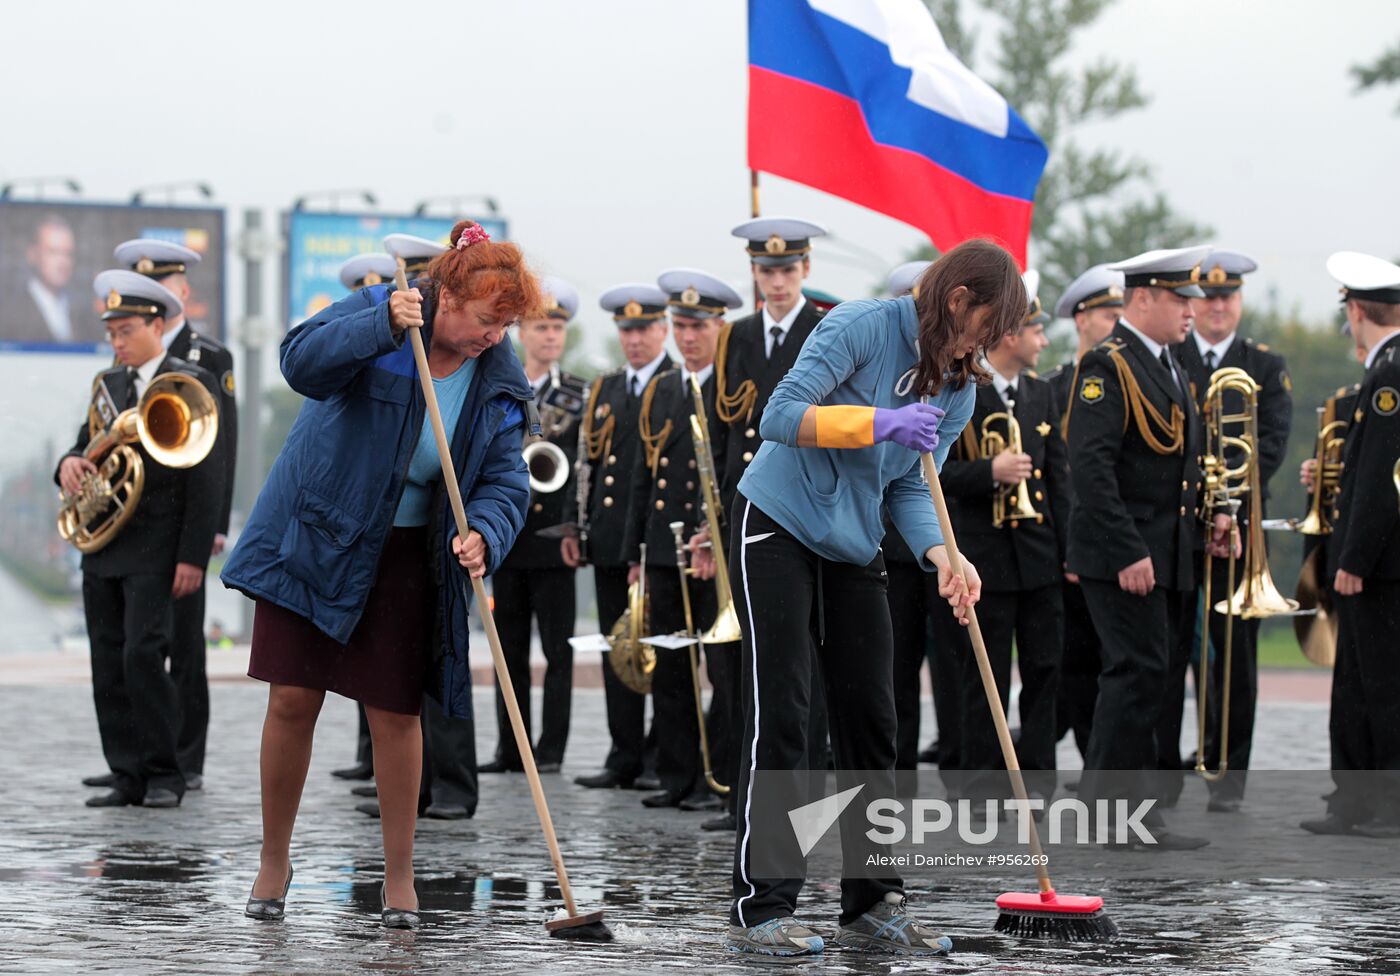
x=1012 y=503
x=678 y=530
x=725 y=629
x=1226 y=487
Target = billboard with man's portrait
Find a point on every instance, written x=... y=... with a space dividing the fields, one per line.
x=51 y=251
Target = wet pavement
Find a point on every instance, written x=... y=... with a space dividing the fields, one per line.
x=146 y=891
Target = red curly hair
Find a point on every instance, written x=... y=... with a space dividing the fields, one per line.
x=484 y=270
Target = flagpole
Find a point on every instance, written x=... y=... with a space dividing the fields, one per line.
x=755 y=212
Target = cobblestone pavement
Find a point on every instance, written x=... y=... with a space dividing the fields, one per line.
x=145 y=891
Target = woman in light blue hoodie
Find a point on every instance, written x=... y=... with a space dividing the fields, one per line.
x=876 y=383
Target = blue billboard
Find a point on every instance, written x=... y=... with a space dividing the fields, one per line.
x=319 y=243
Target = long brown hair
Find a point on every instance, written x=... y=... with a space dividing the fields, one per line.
x=486 y=268
x=992 y=279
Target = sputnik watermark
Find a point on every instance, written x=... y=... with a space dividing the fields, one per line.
x=894 y=821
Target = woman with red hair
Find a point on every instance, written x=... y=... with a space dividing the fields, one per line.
x=351 y=552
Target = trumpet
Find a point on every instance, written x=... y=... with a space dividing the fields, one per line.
x=548 y=464
x=725 y=629
x=678 y=530
x=1226 y=487
x=1012 y=503
x=1327 y=475
x=632 y=660
x=176 y=421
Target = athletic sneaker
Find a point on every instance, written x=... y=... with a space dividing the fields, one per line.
x=775 y=937
x=885 y=927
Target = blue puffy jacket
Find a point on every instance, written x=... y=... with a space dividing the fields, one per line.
x=313 y=540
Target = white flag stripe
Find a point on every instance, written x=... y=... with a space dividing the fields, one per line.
x=940 y=81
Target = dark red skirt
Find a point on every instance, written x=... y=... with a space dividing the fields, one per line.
x=385 y=663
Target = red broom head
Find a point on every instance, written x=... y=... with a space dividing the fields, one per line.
x=1024 y=901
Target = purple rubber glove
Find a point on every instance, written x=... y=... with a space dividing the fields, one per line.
x=914 y=426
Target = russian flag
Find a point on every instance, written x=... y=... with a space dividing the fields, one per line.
x=862 y=99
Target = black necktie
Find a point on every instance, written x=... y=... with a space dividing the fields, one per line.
x=1210 y=359
x=777 y=335
x=1166 y=358
x=636 y=389
x=132 y=398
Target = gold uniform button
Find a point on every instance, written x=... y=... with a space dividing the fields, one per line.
x=748 y=456
x=750 y=433
x=691 y=464
x=612 y=458
x=660 y=504
x=665 y=462
x=688 y=506
x=1182 y=510
x=661 y=483
x=539 y=507
x=1184 y=486
x=1036 y=472
x=690 y=486
x=607 y=502
x=609 y=480
x=1039 y=497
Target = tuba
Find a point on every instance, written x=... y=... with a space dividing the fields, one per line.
x=631 y=660
x=176 y=421
x=1012 y=503
x=1225 y=488
x=725 y=629
x=1327 y=478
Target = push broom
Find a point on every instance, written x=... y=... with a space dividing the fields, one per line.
x=1043 y=914
x=588 y=926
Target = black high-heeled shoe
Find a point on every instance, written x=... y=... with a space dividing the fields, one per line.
x=397 y=918
x=269 y=909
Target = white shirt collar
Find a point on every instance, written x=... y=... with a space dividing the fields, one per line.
x=54 y=309
x=701 y=376
x=785 y=323
x=1220 y=348
x=1155 y=348
x=146 y=372
x=643 y=376
x=1376 y=349
x=170 y=334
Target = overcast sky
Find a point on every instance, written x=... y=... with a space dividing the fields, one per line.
x=612 y=132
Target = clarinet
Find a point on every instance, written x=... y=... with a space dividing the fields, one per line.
x=583 y=471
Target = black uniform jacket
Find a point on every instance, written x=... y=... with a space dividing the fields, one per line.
x=1132 y=499
x=670 y=492
x=178 y=513
x=1019 y=555
x=615 y=458
x=532 y=551
x=745 y=380
x=1275 y=396
x=213 y=357
x=1366 y=530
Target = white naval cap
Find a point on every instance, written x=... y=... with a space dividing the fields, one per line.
x=1177 y=269
x=561 y=298
x=634 y=305
x=903 y=278
x=1222 y=273
x=1099 y=287
x=1366 y=277
x=696 y=293
x=1035 y=314
x=126 y=292
x=155 y=258
x=364 y=270
x=415 y=251
x=778 y=241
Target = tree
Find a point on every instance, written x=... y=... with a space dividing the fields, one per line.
x=1385 y=70
x=1093 y=205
